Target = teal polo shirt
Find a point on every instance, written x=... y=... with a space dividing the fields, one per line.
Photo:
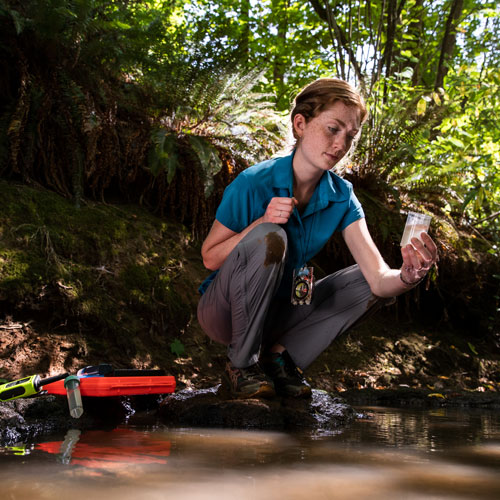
x=332 y=207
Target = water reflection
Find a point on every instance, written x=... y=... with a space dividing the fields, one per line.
x=430 y=431
x=386 y=454
x=108 y=449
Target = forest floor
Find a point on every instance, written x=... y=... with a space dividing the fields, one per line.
x=115 y=284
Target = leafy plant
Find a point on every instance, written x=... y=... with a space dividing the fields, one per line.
x=177 y=348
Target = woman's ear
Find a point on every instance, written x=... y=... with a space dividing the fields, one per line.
x=299 y=123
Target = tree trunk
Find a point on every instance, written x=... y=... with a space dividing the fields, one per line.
x=245 y=32
x=390 y=36
x=280 y=8
x=449 y=41
x=416 y=31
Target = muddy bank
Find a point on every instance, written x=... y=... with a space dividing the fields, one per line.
x=422 y=398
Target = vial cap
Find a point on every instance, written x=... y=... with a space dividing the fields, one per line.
x=71 y=378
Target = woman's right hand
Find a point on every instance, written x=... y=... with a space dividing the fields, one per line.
x=221 y=240
x=279 y=210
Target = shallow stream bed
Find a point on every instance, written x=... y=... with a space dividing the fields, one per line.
x=385 y=453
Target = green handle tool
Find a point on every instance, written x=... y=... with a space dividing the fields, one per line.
x=25 y=387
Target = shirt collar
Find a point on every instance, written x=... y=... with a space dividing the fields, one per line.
x=283 y=173
x=329 y=188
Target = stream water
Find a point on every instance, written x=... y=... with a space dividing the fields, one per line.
x=386 y=453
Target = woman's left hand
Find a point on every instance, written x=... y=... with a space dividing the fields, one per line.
x=418 y=258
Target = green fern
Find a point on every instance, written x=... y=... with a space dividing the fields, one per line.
x=214 y=111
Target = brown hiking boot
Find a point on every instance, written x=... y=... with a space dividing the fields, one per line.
x=250 y=382
x=287 y=377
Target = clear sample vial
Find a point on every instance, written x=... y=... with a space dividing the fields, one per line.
x=415 y=225
x=72 y=385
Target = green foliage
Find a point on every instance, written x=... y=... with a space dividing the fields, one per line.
x=472 y=348
x=283 y=38
x=460 y=154
x=209 y=160
x=164 y=102
x=177 y=348
x=163 y=154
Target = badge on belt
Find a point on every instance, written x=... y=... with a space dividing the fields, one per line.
x=302 y=287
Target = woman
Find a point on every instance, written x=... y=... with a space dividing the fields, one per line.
x=273 y=218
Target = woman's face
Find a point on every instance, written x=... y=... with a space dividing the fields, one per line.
x=325 y=139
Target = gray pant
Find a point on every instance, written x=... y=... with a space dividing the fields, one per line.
x=240 y=310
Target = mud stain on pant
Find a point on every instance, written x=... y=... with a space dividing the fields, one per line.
x=275 y=249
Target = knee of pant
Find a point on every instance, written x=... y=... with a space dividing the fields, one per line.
x=271 y=240
x=276 y=243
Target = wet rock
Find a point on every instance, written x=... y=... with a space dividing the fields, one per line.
x=28 y=418
x=213 y=408
x=24 y=419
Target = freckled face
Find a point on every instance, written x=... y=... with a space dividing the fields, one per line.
x=325 y=139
